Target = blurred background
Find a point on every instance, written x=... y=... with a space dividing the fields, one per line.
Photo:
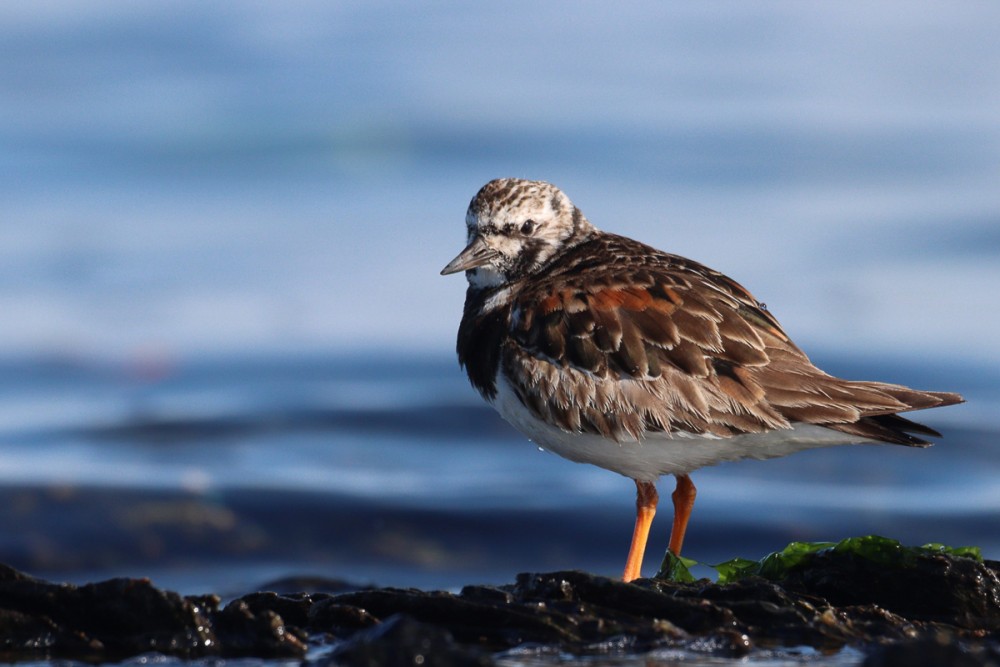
x=227 y=355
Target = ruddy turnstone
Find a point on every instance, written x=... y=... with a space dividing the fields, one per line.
x=604 y=350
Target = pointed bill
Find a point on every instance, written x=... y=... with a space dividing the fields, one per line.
x=475 y=254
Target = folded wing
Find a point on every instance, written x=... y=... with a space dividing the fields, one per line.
x=672 y=346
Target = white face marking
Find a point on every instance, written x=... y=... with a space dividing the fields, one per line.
x=525 y=223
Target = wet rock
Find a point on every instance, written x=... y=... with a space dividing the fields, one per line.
x=243 y=631
x=958 y=591
x=934 y=652
x=495 y=626
x=293 y=608
x=936 y=610
x=615 y=598
x=339 y=620
x=118 y=618
x=401 y=640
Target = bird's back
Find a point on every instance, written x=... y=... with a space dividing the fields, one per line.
x=617 y=339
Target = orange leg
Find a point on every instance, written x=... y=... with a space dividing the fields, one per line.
x=683 y=498
x=646 y=498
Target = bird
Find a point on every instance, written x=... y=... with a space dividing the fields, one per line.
x=604 y=350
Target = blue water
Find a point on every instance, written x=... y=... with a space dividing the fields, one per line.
x=226 y=354
x=223 y=474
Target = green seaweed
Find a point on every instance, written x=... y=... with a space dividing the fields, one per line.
x=775 y=565
x=675 y=568
x=975 y=553
x=736 y=569
x=778 y=565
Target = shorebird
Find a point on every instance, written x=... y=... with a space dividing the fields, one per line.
x=607 y=351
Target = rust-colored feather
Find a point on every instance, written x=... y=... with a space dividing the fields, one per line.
x=698 y=352
x=604 y=350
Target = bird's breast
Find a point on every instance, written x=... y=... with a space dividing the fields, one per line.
x=480 y=338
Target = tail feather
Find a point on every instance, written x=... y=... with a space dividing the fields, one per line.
x=891 y=428
x=911 y=399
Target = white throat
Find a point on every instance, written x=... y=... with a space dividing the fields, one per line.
x=485 y=277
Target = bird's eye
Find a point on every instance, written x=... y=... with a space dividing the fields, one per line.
x=528 y=228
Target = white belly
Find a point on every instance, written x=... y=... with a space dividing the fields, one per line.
x=661 y=453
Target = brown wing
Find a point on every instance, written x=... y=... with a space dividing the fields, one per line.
x=665 y=344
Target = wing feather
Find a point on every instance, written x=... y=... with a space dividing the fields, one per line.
x=653 y=342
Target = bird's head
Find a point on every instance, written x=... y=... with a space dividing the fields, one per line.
x=515 y=227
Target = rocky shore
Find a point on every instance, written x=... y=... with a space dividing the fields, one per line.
x=927 y=609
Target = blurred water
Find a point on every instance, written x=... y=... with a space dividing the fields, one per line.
x=197 y=176
x=227 y=349
x=225 y=473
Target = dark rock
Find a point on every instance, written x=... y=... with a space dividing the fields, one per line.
x=118 y=618
x=771 y=614
x=293 y=608
x=937 y=609
x=646 y=599
x=488 y=594
x=241 y=631
x=725 y=643
x=958 y=591
x=337 y=619
x=401 y=640
x=489 y=624
x=934 y=652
